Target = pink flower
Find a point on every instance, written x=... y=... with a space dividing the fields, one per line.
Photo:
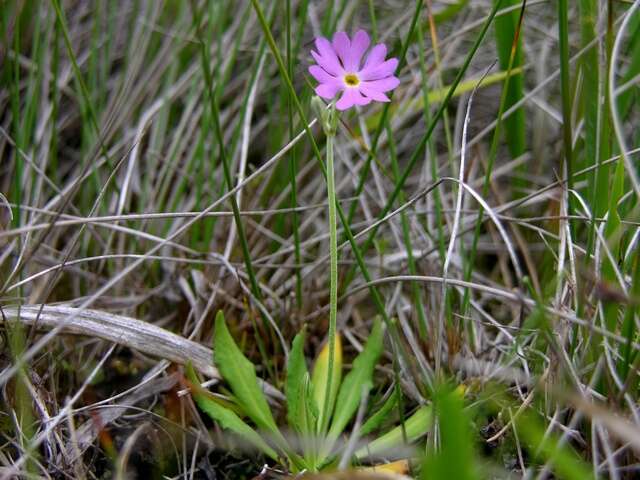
x=339 y=69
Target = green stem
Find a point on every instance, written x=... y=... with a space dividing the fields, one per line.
x=333 y=270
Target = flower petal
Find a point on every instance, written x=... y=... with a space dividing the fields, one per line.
x=351 y=97
x=326 y=50
x=373 y=93
x=342 y=45
x=379 y=71
x=329 y=64
x=328 y=90
x=359 y=45
x=376 y=56
x=320 y=74
x=382 y=85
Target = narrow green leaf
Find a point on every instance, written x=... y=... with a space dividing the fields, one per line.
x=308 y=409
x=455 y=457
x=413 y=105
x=380 y=416
x=320 y=381
x=359 y=378
x=416 y=426
x=227 y=419
x=295 y=388
x=240 y=374
x=506 y=30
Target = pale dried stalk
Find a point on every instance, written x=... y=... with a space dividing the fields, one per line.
x=126 y=331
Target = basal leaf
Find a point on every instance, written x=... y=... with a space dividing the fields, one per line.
x=380 y=416
x=227 y=419
x=416 y=426
x=320 y=381
x=295 y=387
x=240 y=374
x=359 y=378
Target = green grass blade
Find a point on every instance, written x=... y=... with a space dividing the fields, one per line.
x=417 y=153
x=508 y=38
x=456 y=457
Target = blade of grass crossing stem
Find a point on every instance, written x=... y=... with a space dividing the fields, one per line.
x=406 y=236
x=437 y=59
x=86 y=98
x=508 y=39
x=417 y=297
x=215 y=117
x=431 y=127
x=430 y=148
x=293 y=167
x=493 y=151
x=396 y=345
x=204 y=53
x=364 y=172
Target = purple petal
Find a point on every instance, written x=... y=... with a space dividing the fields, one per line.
x=351 y=97
x=329 y=64
x=342 y=46
x=326 y=50
x=382 y=85
x=320 y=74
x=328 y=90
x=359 y=45
x=376 y=56
x=373 y=94
x=379 y=71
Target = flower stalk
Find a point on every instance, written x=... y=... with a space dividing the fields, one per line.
x=329 y=120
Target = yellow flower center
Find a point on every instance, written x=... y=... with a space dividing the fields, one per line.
x=351 y=79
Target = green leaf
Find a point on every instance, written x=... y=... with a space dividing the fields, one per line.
x=416 y=426
x=227 y=419
x=455 y=457
x=311 y=412
x=515 y=127
x=295 y=385
x=320 y=380
x=380 y=416
x=359 y=378
x=240 y=374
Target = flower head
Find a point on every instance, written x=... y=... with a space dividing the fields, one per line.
x=340 y=69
